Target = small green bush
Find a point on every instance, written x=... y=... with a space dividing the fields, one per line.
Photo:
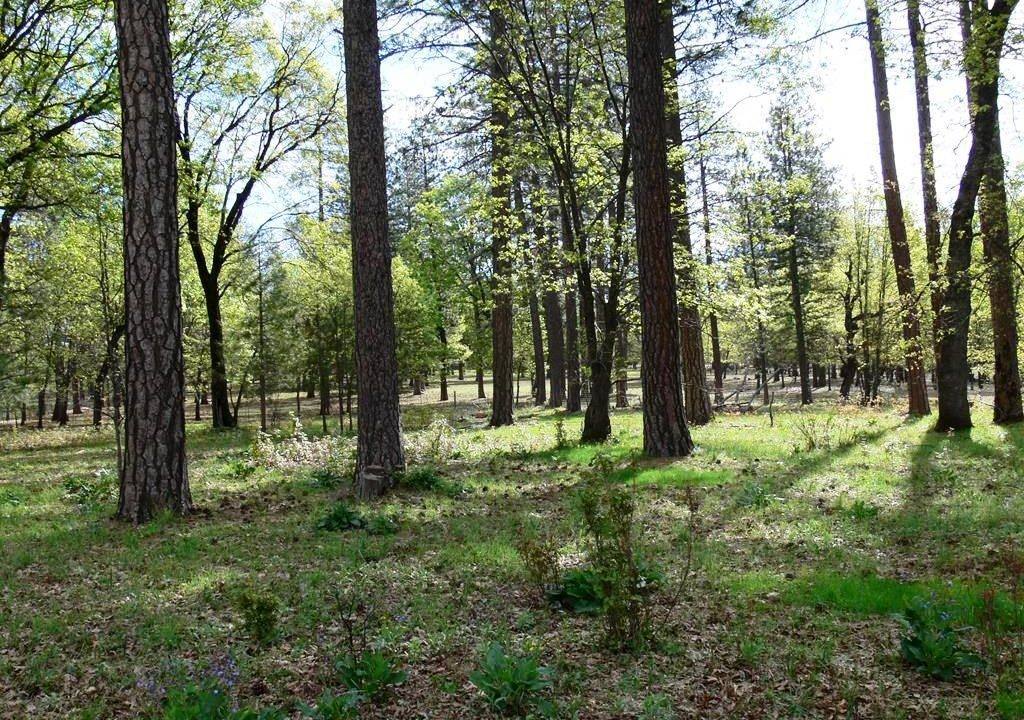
x=512 y=684
x=371 y=674
x=259 y=611
x=579 y=591
x=209 y=701
x=333 y=707
x=88 y=492
x=423 y=477
x=382 y=524
x=326 y=478
x=752 y=495
x=614 y=549
x=539 y=554
x=341 y=517
x=933 y=644
x=238 y=468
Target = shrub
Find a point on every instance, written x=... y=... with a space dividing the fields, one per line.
x=613 y=547
x=259 y=611
x=370 y=674
x=341 y=517
x=423 y=477
x=333 y=707
x=381 y=524
x=88 y=492
x=326 y=478
x=513 y=685
x=561 y=438
x=580 y=591
x=209 y=701
x=426 y=478
x=752 y=495
x=238 y=468
x=933 y=644
x=539 y=554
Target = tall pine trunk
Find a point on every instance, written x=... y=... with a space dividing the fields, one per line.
x=926 y=151
x=502 y=400
x=379 y=454
x=691 y=336
x=665 y=430
x=995 y=237
x=982 y=53
x=716 y=344
x=917 y=390
x=154 y=476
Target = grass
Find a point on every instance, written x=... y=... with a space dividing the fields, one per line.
x=814 y=533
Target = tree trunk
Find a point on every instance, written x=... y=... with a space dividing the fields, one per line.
x=665 y=430
x=932 y=231
x=154 y=475
x=480 y=394
x=982 y=66
x=691 y=336
x=219 y=395
x=502 y=400
x=796 y=298
x=556 y=347
x=621 y=376
x=379 y=453
x=540 y=396
x=716 y=345
x=995 y=237
x=917 y=390
x=572 y=353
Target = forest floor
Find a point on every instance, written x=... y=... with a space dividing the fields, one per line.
x=816 y=530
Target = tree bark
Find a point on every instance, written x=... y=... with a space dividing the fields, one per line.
x=917 y=390
x=982 y=56
x=932 y=231
x=665 y=430
x=379 y=453
x=995 y=237
x=716 y=345
x=502 y=400
x=573 y=402
x=154 y=476
x=796 y=298
x=556 y=347
x=540 y=395
x=691 y=336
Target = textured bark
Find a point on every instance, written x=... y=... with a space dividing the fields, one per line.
x=540 y=385
x=556 y=347
x=952 y=368
x=691 y=336
x=926 y=151
x=665 y=430
x=995 y=237
x=716 y=344
x=379 y=454
x=103 y=373
x=917 y=390
x=572 y=353
x=621 y=376
x=796 y=299
x=220 y=398
x=502 y=400
x=153 y=473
